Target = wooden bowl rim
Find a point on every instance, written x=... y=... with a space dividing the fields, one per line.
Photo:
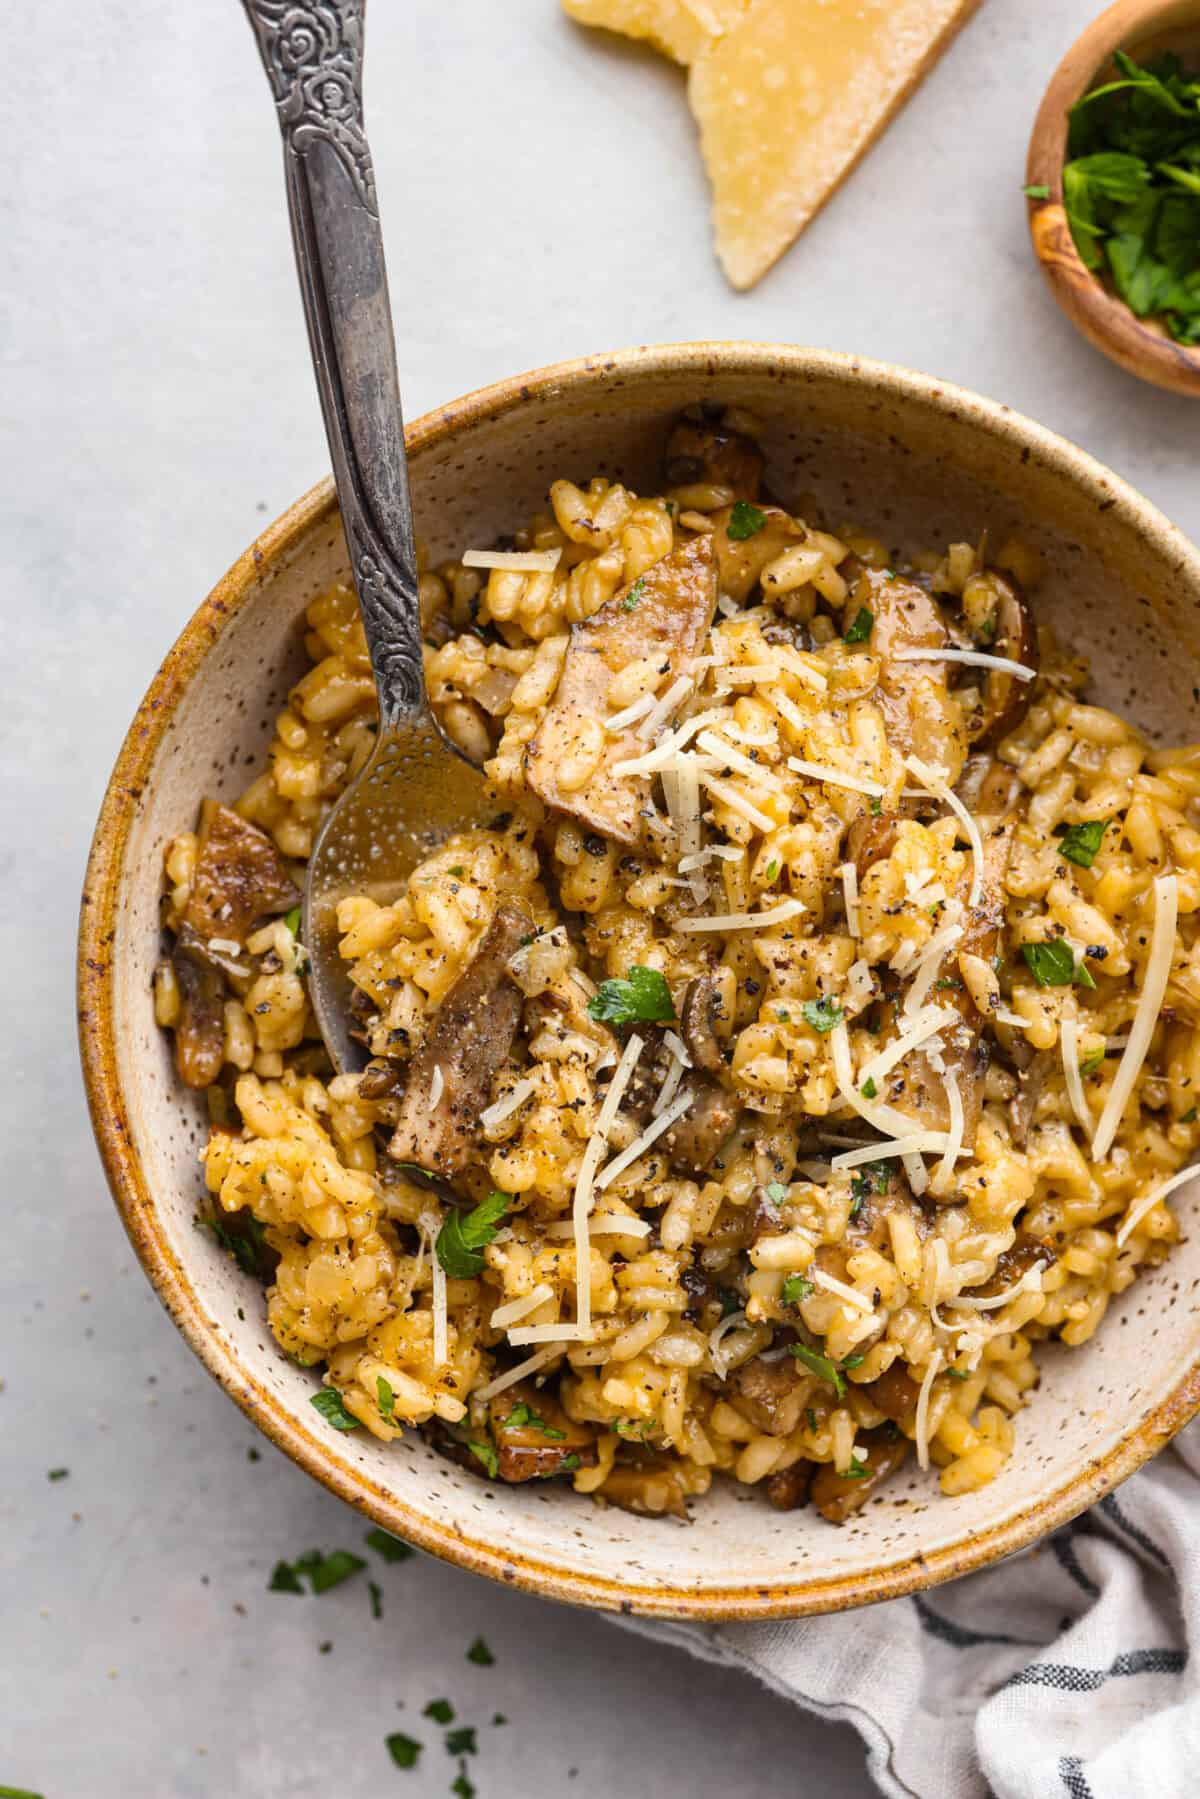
x=1138 y=347
x=562 y=383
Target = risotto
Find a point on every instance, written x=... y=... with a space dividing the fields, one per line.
x=811 y=1037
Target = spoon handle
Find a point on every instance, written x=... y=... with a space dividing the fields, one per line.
x=313 y=57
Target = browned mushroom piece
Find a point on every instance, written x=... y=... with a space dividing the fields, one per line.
x=771 y=1394
x=836 y=1497
x=788 y=1490
x=1006 y=698
x=239 y=877
x=871 y=839
x=912 y=696
x=381 y=1080
x=702 y=447
x=468 y=1040
x=699 y=1016
x=665 y=614
x=1011 y=1264
x=894 y=1393
x=534 y=1437
x=987 y=785
x=696 y=1137
x=648 y=1487
x=1031 y=1083
x=200 y=1029
x=741 y=560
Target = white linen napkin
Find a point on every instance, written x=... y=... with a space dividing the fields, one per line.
x=1061 y=1673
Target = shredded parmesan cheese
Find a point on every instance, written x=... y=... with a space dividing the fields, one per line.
x=508 y=1314
x=921 y=1428
x=650 y=1135
x=511 y=1376
x=860 y=981
x=1148 y=1201
x=820 y=771
x=1145 y=1018
x=1030 y=1282
x=441 y=1330
x=629 y=715
x=937 y=786
x=916 y=1030
x=954 y=1143
x=504 y=1108
x=744 y=921
x=737 y=802
x=914 y=1169
x=911 y=1145
x=533 y=562
x=885 y=1119
x=849 y=876
x=618 y=1084
x=1068 y=1032
x=663 y=707
x=831 y=1284
x=580 y=1207
x=973 y=658
x=605 y=1224
x=547 y=1333
x=437 y=1086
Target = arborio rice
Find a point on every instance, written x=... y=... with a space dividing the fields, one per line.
x=813 y=1035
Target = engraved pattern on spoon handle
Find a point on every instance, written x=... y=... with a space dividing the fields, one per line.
x=312 y=51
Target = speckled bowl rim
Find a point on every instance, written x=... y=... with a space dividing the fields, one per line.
x=102 y=899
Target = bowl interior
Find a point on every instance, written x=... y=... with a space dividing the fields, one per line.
x=920 y=466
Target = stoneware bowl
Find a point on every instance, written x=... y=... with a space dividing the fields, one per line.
x=1141 y=346
x=921 y=463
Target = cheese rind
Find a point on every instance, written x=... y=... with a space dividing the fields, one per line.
x=790 y=100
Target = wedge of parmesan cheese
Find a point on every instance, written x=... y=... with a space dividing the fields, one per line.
x=790 y=99
x=679 y=28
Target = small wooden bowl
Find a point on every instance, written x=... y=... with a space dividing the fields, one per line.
x=1141 y=27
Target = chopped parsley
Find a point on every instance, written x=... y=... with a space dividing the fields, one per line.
x=243 y=1249
x=1079 y=843
x=872 y=1177
x=776 y=1192
x=465 y=1235
x=856 y=1471
x=1089 y=1063
x=57 y=1473
x=643 y=996
x=821 y=1366
x=860 y=626
x=854 y=1361
x=458 y=871
x=386 y=1399
x=745 y=520
x=324 y=1572
x=403 y=1750
x=440 y=1710
x=772 y=871
x=376 y=1592
x=634 y=596
x=796 y=1288
x=462 y=1788
x=523 y=1416
x=569 y=1464
x=332 y=1408
x=1036 y=190
x=485 y=1453
x=389 y=1547
x=18 y=1793
x=869 y=1090
x=822 y=1014
x=1188 y=1117
x=292 y=920
x=480 y=1654
x=1053 y=964
x=461 y=1741
x=875 y=805
x=958 y=1374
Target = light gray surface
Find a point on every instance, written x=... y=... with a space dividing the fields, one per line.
x=543 y=197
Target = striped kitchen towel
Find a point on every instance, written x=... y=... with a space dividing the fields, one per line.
x=1061 y=1673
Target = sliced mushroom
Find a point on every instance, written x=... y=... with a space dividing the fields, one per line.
x=702 y=448
x=913 y=696
x=468 y=1040
x=696 y=1138
x=649 y=1488
x=200 y=1028
x=1006 y=698
x=1031 y=1084
x=771 y=1394
x=788 y=1490
x=871 y=839
x=894 y=1393
x=988 y=785
x=838 y=1498
x=698 y=1018
x=665 y=614
x=741 y=560
x=239 y=877
x=534 y=1437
